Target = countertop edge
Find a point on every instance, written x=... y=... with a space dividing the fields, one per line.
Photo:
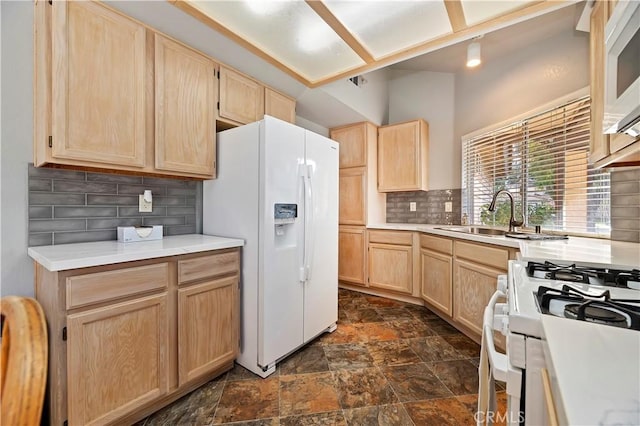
x=193 y=243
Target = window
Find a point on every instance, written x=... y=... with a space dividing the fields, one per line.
x=543 y=161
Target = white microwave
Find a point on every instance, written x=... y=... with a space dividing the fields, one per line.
x=622 y=70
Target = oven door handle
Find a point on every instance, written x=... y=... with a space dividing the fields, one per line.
x=499 y=362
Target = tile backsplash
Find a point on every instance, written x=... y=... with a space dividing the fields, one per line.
x=625 y=205
x=430 y=207
x=68 y=206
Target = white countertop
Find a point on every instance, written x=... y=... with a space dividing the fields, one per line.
x=81 y=255
x=589 y=251
x=594 y=371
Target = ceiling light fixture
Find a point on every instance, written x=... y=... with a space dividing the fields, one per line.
x=473 y=53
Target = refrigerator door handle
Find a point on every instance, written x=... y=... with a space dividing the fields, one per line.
x=302 y=172
x=308 y=229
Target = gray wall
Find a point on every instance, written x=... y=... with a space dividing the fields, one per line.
x=16 y=276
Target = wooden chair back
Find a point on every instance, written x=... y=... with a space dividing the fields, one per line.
x=23 y=361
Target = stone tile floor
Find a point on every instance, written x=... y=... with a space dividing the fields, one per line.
x=388 y=363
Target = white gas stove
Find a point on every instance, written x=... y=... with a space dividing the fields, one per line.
x=573 y=292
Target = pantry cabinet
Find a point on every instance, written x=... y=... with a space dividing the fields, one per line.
x=352 y=254
x=127 y=339
x=185 y=93
x=352 y=183
x=279 y=106
x=241 y=99
x=390 y=259
x=97 y=67
x=403 y=156
x=436 y=270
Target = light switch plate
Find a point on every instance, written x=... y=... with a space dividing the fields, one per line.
x=144 y=206
x=412 y=206
x=448 y=206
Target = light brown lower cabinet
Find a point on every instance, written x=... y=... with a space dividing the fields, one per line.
x=352 y=249
x=127 y=339
x=436 y=267
x=390 y=258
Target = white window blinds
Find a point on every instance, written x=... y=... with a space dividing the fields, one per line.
x=543 y=162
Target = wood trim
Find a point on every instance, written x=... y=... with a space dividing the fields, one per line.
x=347 y=36
x=483 y=254
x=391 y=237
x=627 y=156
x=456 y=15
x=552 y=415
x=210 y=266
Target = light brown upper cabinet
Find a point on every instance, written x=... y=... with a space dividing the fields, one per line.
x=241 y=98
x=403 y=156
x=97 y=101
x=279 y=106
x=184 y=109
x=353 y=192
x=599 y=143
x=354 y=141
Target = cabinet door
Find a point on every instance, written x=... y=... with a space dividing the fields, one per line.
x=391 y=267
x=353 y=187
x=279 y=106
x=208 y=325
x=116 y=359
x=353 y=145
x=241 y=99
x=402 y=161
x=599 y=143
x=437 y=285
x=351 y=255
x=98 y=63
x=473 y=286
x=185 y=109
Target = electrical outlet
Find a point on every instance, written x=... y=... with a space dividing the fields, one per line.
x=144 y=206
x=448 y=206
x=412 y=206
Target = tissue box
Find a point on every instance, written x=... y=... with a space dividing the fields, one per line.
x=129 y=234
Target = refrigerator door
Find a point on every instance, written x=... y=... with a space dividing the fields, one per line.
x=321 y=288
x=280 y=293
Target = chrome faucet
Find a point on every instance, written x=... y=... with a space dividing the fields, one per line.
x=512 y=220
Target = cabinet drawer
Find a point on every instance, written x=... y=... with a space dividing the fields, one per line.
x=486 y=255
x=442 y=245
x=102 y=286
x=208 y=266
x=391 y=237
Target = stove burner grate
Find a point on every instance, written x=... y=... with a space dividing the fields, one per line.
x=583 y=274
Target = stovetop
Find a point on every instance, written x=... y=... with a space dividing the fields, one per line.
x=600 y=288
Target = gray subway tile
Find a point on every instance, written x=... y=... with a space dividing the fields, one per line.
x=175 y=211
x=104 y=177
x=625 y=175
x=174 y=183
x=41 y=239
x=47 y=172
x=50 y=199
x=40 y=184
x=120 y=200
x=179 y=220
x=85 y=187
x=190 y=220
x=43 y=225
x=83 y=237
x=133 y=211
x=169 y=201
x=625 y=212
x=191 y=201
x=102 y=211
x=180 y=230
x=139 y=189
x=625 y=224
x=113 y=223
x=626 y=188
x=181 y=191
x=40 y=212
x=630 y=236
x=625 y=200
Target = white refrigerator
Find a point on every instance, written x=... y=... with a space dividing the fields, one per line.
x=277 y=188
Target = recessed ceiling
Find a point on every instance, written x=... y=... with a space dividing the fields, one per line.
x=321 y=41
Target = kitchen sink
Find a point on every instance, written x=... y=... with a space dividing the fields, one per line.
x=478 y=230
x=493 y=232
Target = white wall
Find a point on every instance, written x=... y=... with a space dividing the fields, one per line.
x=429 y=95
x=16 y=145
